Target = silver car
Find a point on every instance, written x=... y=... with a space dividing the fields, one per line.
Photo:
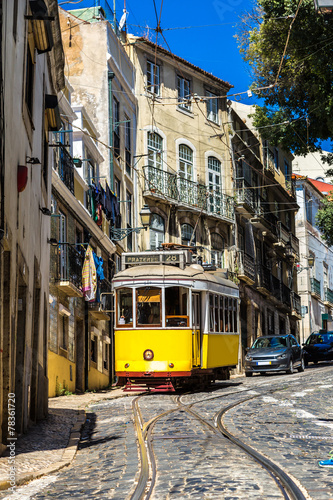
x=274 y=353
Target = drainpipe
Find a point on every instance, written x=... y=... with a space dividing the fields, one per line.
x=87 y=345
x=110 y=78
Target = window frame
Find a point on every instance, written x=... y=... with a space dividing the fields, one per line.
x=183 y=102
x=153 y=76
x=212 y=106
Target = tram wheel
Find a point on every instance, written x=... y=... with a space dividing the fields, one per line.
x=248 y=374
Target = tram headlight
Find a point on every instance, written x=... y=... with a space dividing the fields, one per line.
x=148 y=355
x=248 y=357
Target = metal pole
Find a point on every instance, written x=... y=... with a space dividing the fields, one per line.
x=110 y=78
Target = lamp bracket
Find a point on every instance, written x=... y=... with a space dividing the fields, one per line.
x=120 y=234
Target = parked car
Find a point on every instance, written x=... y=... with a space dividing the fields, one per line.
x=318 y=347
x=274 y=353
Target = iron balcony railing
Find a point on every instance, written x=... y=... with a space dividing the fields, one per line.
x=246 y=266
x=293 y=247
x=264 y=275
x=329 y=295
x=276 y=288
x=184 y=191
x=283 y=233
x=315 y=287
x=64 y=165
x=103 y=299
x=296 y=303
x=244 y=193
x=285 y=295
x=69 y=265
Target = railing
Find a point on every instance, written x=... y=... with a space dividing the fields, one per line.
x=294 y=242
x=283 y=233
x=276 y=288
x=65 y=167
x=181 y=190
x=246 y=266
x=329 y=295
x=69 y=265
x=315 y=287
x=244 y=193
x=286 y=295
x=265 y=278
x=103 y=300
x=296 y=303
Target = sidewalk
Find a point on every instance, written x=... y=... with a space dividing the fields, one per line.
x=52 y=443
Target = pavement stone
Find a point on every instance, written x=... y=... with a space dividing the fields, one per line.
x=52 y=443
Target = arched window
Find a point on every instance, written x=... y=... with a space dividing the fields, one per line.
x=217 y=250
x=156 y=231
x=214 y=182
x=185 y=162
x=155 y=150
x=186 y=234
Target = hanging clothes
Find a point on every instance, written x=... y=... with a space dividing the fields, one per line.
x=108 y=203
x=99 y=266
x=99 y=215
x=89 y=276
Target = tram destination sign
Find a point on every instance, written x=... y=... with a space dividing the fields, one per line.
x=143 y=258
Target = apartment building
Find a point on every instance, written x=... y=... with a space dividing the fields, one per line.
x=315 y=268
x=80 y=336
x=32 y=72
x=267 y=246
x=184 y=163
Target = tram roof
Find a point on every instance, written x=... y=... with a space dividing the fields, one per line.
x=163 y=273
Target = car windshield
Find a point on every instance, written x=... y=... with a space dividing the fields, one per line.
x=263 y=342
x=320 y=338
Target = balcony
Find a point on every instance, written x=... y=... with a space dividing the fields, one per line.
x=100 y=310
x=64 y=165
x=68 y=275
x=167 y=186
x=265 y=220
x=292 y=249
x=315 y=288
x=283 y=235
x=328 y=297
x=296 y=309
x=264 y=280
x=285 y=295
x=246 y=199
x=276 y=289
x=246 y=268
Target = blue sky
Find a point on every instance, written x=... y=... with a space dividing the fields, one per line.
x=207 y=39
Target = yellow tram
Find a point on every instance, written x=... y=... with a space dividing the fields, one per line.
x=175 y=323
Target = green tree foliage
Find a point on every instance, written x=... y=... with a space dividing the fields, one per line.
x=299 y=92
x=324 y=220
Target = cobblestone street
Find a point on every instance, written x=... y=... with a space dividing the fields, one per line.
x=289 y=420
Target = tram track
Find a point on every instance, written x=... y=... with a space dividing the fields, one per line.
x=148 y=473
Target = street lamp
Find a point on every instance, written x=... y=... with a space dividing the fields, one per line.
x=311 y=261
x=119 y=234
x=324 y=6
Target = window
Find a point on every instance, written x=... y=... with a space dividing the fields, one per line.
x=106 y=352
x=129 y=219
x=148 y=306
x=128 y=153
x=30 y=74
x=156 y=231
x=153 y=78
x=186 y=235
x=116 y=132
x=212 y=107
x=308 y=208
x=276 y=158
x=124 y=307
x=183 y=86
x=64 y=331
x=155 y=148
x=185 y=162
x=217 y=252
x=222 y=314
x=93 y=349
x=287 y=170
x=214 y=182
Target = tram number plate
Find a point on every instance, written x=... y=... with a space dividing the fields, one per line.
x=259 y=363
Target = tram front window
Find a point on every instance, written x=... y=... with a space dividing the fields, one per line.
x=176 y=300
x=148 y=306
x=125 y=307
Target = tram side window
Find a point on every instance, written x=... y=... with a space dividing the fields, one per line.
x=176 y=308
x=223 y=314
x=148 y=306
x=125 y=307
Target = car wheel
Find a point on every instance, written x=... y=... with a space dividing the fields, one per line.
x=248 y=374
x=301 y=368
x=291 y=368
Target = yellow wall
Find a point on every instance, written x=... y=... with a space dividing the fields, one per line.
x=220 y=350
x=59 y=374
x=97 y=380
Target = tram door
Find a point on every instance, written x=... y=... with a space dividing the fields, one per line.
x=196 y=334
